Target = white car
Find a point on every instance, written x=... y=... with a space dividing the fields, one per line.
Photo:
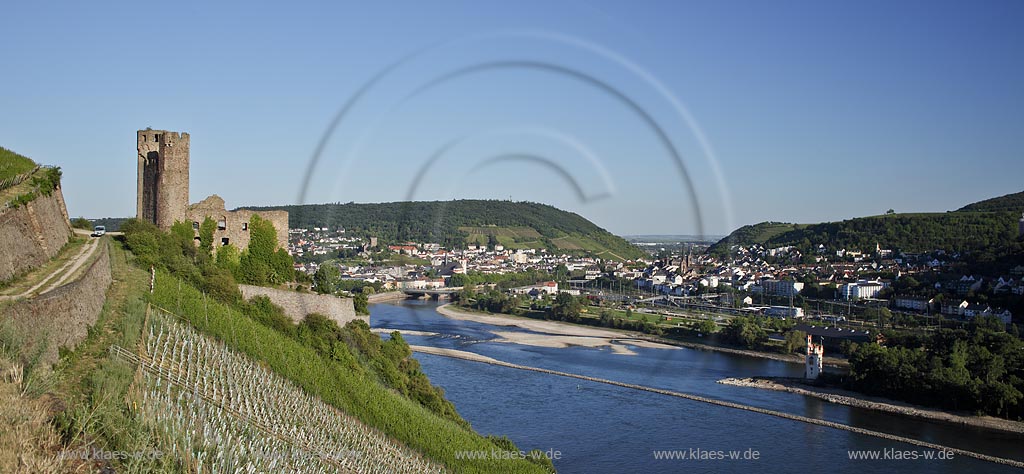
x=98 y=231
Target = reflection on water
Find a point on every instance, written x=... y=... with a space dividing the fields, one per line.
x=602 y=428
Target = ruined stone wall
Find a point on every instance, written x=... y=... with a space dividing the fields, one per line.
x=297 y=305
x=60 y=317
x=31 y=235
x=235 y=223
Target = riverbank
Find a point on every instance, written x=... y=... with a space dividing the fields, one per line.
x=565 y=332
x=854 y=399
x=554 y=333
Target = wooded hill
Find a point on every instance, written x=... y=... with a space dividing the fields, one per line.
x=455 y=224
x=1009 y=203
x=986 y=231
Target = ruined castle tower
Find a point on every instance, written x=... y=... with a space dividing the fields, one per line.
x=163 y=176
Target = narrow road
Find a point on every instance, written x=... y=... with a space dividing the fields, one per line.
x=65 y=271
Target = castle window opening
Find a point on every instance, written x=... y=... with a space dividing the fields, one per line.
x=224 y=241
x=222 y=224
x=195 y=225
x=245 y=226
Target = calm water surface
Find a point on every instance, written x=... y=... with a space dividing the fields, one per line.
x=602 y=428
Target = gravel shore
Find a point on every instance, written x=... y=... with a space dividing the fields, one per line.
x=554 y=333
x=642 y=340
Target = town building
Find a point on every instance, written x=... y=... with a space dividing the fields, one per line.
x=860 y=289
x=782 y=287
x=916 y=304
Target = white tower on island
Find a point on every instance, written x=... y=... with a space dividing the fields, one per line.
x=813 y=362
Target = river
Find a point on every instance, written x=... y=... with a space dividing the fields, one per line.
x=601 y=428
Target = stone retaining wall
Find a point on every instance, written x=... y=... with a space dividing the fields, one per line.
x=297 y=305
x=62 y=316
x=32 y=234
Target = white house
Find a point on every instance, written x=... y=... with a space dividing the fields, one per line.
x=861 y=289
x=782 y=287
x=909 y=302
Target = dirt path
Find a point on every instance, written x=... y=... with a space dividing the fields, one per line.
x=65 y=271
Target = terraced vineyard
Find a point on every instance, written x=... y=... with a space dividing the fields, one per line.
x=217 y=411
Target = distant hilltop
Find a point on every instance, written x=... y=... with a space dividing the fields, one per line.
x=672 y=238
x=1008 y=203
x=988 y=230
x=455 y=224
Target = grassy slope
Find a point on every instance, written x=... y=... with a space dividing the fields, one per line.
x=407 y=421
x=12 y=164
x=92 y=384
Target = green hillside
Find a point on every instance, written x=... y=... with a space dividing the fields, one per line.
x=1008 y=203
x=986 y=231
x=458 y=223
x=13 y=164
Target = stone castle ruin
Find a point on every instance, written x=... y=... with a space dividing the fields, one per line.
x=163 y=193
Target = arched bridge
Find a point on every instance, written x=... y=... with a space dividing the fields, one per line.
x=434 y=293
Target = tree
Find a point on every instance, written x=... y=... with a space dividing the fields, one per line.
x=206 y=230
x=220 y=284
x=326 y=279
x=81 y=223
x=228 y=258
x=795 y=340
x=262 y=262
x=184 y=237
x=361 y=303
x=457 y=280
x=566 y=308
x=890 y=212
x=705 y=326
x=744 y=332
x=561 y=272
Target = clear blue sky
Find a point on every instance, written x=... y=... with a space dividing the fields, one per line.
x=814 y=110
